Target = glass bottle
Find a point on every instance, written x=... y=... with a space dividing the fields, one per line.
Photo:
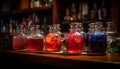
x=110 y=32
x=102 y=12
x=74 y=40
x=53 y=39
x=93 y=12
x=36 y=3
x=1 y=32
x=31 y=3
x=19 y=40
x=67 y=16
x=35 y=39
x=73 y=11
x=85 y=9
x=79 y=17
x=98 y=40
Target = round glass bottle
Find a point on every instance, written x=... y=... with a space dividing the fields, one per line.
x=110 y=32
x=98 y=40
x=74 y=40
x=35 y=39
x=53 y=39
x=19 y=40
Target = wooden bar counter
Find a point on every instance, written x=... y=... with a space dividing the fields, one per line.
x=60 y=60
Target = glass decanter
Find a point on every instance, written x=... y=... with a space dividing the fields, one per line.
x=111 y=33
x=74 y=40
x=19 y=40
x=98 y=40
x=35 y=39
x=53 y=39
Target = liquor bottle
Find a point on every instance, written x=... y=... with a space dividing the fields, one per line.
x=73 y=11
x=36 y=3
x=35 y=39
x=67 y=16
x=3 y=27
x=102 y=12
x=93 y=12
x=80 y=12
x=8 y=34
x=53 y=39
x=31 y=3
x=74 y=40
x=19 y=40
x=111 y=33
x=98 y=40
x=1 y=35
x=85 y=9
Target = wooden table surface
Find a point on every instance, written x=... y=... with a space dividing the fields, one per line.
x=66 y=60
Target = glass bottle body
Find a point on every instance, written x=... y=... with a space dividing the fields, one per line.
x=111 y=35
x=74 y=40
x=53 y=40
x=19 y=40
x=98 y=40
x=35 y=40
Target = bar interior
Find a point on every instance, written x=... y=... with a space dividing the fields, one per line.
x=60 y=33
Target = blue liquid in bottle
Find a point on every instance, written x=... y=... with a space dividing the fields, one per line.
x=98 y=42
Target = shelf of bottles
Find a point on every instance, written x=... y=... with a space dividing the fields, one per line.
x=33 y=5
x=86 y=11
x=79 y=10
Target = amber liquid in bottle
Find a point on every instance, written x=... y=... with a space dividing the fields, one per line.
x=53 y=40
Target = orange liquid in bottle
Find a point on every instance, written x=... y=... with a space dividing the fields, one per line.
x=52 y=43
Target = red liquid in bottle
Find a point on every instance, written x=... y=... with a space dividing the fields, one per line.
x=19 y=43
x=74 y=42
x=35 y=44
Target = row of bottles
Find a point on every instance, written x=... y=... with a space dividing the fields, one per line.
x=32 y=38
x=75 y=40
x=13 y=27
x=87 y=10
x=40 y=3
